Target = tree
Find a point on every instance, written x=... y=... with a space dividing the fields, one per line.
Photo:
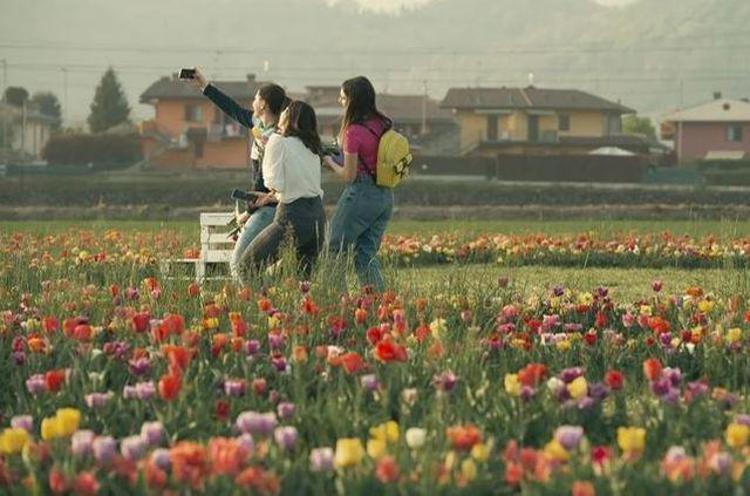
x=16 y=96
x=6 y=130
x=110 y=106
x=49 y=105
x=633 y=124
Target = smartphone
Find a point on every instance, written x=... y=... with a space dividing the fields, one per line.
x=239 y=194
x=187 y=73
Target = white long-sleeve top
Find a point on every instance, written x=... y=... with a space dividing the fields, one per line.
x=291 y=169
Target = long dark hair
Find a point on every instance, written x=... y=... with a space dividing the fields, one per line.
x=360 y=104
x=302 y=123
x=274 y=96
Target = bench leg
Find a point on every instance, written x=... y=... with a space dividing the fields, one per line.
x=200 y=270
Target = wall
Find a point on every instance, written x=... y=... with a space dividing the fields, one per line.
x=695 y=139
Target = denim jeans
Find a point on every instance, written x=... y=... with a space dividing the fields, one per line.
x=305 y=220
x=259 y=220
x=362 y=214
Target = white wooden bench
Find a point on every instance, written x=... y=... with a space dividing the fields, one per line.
x=216 y=245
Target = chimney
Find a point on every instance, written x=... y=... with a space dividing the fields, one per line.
x=250 y=78
x=717 y=95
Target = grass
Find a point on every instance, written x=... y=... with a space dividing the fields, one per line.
x=722 y=229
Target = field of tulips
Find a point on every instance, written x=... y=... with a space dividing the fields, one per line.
x=119 y=380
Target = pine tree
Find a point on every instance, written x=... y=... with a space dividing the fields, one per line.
x=110 y=106
x=49 y=105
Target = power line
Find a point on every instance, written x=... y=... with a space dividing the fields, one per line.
x=569 y=49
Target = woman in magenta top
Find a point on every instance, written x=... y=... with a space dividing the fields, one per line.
x=364 y=209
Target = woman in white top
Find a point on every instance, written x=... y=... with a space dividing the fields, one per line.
x=291 y=171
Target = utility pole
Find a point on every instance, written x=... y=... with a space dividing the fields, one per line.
x=6 y=116
x=424 y=107
x=65 y=93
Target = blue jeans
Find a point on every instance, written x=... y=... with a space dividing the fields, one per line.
x=259 y=220
x=362 y=215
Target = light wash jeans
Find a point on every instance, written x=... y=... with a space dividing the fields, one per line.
x=259 y=220
x=362 y=215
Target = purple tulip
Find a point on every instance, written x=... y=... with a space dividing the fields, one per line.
x=672 y=397
x=133 y=448
x=280 y=363
x=571 y=374
x=129 y=392
x=36 y=384
x=321 y=460
x=257 y=424
x=286 y=437
x=598 y=391
x=25 y=422
x=82 y=443
x=445 y=381
x=145 y=390
x=723 y=463
x=674 y=375
x=235 y=387
x=104 y=449
x=276 y=341
x=370 y=382
x=661 y=386
x=140 y=366
x=97 y=400
x=132 y=294
x=586 y=403
x=286 y=410
x=569 y=436
x=742 y=418
x=152 y=433
x=527 y=392
x=19 y=358
x=247 y=441
x=252 y=347
x=162 y=458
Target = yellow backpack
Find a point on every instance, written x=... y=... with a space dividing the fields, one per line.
x=394 y=158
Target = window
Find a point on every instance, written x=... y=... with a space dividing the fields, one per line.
x=563 y=122
x=193 y=113
x=734 y=133
x=492 y=127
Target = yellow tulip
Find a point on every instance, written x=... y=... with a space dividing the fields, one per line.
x=631 y=439
x=512 y=385
x=578 y=388
x=737 y=435
x=387 y=432
x=69 y=419
x=468 y=470
x=376 y=448
x=480 y=452
x=734 y=335
x=51 y=428
x=349 y=452
x=556 y=451
x=12 y=441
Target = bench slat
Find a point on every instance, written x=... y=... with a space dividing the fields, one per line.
x=218 y=256
x=216 y=219
x=216 y=238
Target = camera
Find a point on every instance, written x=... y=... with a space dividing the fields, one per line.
x=187 y=73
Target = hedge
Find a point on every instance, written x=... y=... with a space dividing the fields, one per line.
x=206 y=190
x=101 y=150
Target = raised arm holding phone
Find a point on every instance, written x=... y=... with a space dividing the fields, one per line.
x=262 y=119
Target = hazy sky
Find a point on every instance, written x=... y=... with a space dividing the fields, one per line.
x=54 y=45
x=390 y=5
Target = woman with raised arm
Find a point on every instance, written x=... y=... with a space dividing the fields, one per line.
x=364 y=209
x=270 y=100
